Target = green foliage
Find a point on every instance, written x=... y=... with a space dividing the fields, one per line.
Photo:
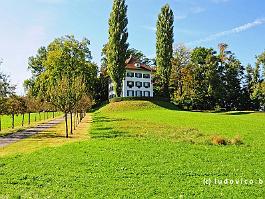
x=164 y=49
x=117 y=44
x=6 y=88
x=203 y=79
x=67 y=74
x=139 y=55
x=35 y=63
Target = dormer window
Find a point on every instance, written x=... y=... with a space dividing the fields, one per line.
x=137 y=65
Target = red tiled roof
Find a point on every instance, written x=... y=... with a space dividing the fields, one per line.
x=131 y=64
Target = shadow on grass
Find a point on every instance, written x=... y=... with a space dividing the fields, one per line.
x=47 y=135
x=98 y=119
x=166 y=105
x=104 y=132
x=238 y=113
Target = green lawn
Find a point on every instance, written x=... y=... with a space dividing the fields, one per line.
x=34 y=117
x=142 y=150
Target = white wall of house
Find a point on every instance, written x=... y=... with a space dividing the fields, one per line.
x=141 y=90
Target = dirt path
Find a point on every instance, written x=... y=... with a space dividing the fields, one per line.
x=9 y=139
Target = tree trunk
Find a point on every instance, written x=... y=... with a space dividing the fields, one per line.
x=74 y=120
x=13 y=120
x=77 y=119
x=71 y=122
x=44 y=115
x=53 y=114
x=0 y=122
x=23 y=117
x=35 y=118
x=29 y=119
x=66 y=125
x=39 y=116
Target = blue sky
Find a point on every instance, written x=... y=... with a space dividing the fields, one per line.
x=26 y=25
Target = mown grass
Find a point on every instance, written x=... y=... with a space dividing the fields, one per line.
x=142 y=150
x=35 y=118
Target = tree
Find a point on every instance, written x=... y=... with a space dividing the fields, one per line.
x=233 y=75
x=22 y=108
x=164 y=48
x=13 y=106
x=3 y=109
x=35 y=63
x=32 y=105
x=180 y=71
x=68 y=74
x=65 y=94
x=117 y=44
x=6 y=88
x=207 y=83
x=261 y=61
x=258 y=94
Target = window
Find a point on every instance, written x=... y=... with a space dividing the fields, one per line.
x=111 y=88
x=147 y=93
x=130 y=84
x=147 y=84
x=138 y=84
x=130 y=93
x=130 y=74
x=147 y=76
x=139 y=93
x=138 y=75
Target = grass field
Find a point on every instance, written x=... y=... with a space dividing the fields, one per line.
x=34 y=118
x=142 y=150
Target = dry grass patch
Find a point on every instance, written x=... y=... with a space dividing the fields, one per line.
x=52 y=137
x=219 y=140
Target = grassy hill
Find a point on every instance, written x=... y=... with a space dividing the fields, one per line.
x=147 y=150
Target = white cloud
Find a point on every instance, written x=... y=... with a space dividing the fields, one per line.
x=179 y=17
x=235 y=30
x=197 y=9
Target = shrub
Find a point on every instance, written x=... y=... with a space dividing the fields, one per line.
x=236 y=140
x=218 y=140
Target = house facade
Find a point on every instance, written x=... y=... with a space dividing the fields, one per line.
x=137 y=82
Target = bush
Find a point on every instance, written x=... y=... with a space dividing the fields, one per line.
x=218 y=140
x=236 y=140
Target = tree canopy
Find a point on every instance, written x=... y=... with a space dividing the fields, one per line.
x=117 y=44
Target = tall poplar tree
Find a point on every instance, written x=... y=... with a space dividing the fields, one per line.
x=117 y=45
x=164 y=48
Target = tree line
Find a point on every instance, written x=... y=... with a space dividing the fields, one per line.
x=199 y=78
x=202 y=78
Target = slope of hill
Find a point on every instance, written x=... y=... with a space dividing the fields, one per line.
x=142 y=149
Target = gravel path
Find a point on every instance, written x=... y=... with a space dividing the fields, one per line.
x=9 y=139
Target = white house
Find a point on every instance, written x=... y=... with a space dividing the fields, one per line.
x=138 y=80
